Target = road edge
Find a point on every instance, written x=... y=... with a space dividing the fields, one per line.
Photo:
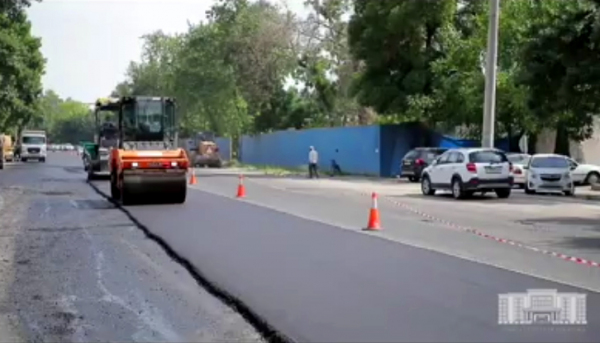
x=266 y=330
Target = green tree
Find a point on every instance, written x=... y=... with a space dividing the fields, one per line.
x=65 y=120
x=21 y=68
x=398 y=40
x=560 y=68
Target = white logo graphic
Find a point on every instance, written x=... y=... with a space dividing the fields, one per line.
x=542 y=306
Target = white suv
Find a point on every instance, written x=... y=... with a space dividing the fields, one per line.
x=467 y=171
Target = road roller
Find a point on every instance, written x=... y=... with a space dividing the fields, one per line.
x=146 y=165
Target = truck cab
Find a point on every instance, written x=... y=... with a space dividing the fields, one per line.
x=32 y=146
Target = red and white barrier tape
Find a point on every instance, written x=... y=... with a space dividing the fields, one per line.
x=577 y=260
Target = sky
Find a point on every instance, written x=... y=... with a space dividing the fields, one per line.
x=88 y=44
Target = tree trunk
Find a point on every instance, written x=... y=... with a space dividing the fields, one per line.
x=561 y=144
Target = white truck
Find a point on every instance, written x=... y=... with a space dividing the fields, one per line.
x=33 y=145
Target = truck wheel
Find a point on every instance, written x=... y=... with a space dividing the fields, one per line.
x=90 y=175
x=114 y=189
x=127 y=197
x=179 y=197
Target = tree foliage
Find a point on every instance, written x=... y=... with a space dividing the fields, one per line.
x=65 y=120
x=254 y=67
x=21 y=68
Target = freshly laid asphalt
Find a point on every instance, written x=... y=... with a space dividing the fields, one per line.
x=73 y=268
x=321 y=283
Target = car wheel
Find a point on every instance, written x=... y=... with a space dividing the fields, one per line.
x=570 y=192
x=426 y=188
x=503 y=193
x=457 y=189
x=528 y=190
x=592 y=178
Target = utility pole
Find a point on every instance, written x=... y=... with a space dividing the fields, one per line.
x=489 y=105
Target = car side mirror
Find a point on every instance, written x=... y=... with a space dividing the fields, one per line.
x=573 y=167
x=525 y=167
x=434 y=162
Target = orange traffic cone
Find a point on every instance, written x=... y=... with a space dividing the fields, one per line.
x=241 y=191
x=193 y=180
x=374 y=223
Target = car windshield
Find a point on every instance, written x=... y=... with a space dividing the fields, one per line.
x=519 y=159
x=150 y=116
x=148 y=119
x=550 y=162
x=34 y=140
x=489 y=156
x=411 y=155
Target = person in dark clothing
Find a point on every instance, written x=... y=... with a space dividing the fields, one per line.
x=335 y=168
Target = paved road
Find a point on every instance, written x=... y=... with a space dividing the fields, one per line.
x=295 y=255
x=75 y=269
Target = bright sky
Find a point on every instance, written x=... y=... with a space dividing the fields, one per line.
x=89 y=43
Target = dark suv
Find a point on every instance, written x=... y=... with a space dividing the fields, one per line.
x=416 y=160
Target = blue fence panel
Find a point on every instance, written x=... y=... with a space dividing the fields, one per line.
x=355 y=149
x=224 y=145
x=452 y=142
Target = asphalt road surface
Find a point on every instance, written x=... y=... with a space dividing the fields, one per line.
x=75 y=269
x=293 y=251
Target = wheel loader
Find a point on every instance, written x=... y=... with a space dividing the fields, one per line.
x=143 y=160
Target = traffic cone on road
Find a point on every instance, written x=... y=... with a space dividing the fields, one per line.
x=193 y=180
x=374 y=224
x=241 y=191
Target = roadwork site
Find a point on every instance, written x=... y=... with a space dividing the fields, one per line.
x=289 y=261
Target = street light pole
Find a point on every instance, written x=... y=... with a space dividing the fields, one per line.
x=487 y=139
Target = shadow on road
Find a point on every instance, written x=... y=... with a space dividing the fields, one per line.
x=590 y=227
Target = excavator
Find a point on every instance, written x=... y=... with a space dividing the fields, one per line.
x=142 y=159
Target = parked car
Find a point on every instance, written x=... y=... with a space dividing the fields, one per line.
x=468 y=171
x=550 y=173
x=584 y=174
x=519 y=162
x=416 y=160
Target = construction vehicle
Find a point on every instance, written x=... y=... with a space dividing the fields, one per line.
x=143 y=160
x=7 y=149
x=96 y=154
x=207 y=152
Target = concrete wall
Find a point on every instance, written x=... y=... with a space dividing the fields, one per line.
x=587 y=151
x=355 y=149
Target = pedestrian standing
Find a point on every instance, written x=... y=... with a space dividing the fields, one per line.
x=313 y=160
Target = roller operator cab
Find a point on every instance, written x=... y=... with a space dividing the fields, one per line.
x=146 y=164
x=32 y=146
